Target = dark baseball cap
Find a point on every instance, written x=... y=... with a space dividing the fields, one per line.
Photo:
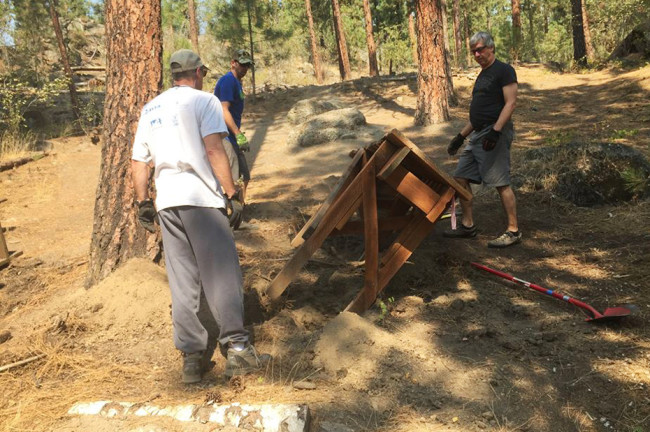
x=185 y=60
x=243 y=57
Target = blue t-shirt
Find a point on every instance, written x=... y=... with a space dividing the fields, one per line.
x=229 y=89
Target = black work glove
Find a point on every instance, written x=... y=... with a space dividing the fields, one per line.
x=234 y=210
x=455 y=144
x=490 y=140
x=147 y=215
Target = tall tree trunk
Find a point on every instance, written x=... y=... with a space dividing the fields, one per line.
x=194 y=27
x=133 y=77
x=432 y=105
x=585 y=25
x=468 y=36
x=74 y=101
x=453 y=100
x=370 y=40
x=318 y=72
x=413 y=37
x=250 y=38
x=344 y=61
x=516 y=30
x=530 y=12
x=488 y=19
x=579 y=46
x=457 y=34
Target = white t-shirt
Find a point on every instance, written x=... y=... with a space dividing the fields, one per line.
x=170 y=134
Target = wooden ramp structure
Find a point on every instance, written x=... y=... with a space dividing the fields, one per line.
x=395 y=189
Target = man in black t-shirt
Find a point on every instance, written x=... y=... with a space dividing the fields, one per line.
x=486 y=159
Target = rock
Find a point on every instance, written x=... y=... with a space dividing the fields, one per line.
x=488 y=415
x=304 y=385
x=5 y=336
x=307 y=108
x=326 y=127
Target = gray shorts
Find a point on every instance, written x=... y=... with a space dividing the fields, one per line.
x=492 y=168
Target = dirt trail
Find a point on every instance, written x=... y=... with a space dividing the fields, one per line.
x=452 y=349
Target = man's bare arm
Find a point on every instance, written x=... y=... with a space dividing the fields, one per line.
x=140 y=177
x=510 y=96
x=230 y=122
x=219 y=162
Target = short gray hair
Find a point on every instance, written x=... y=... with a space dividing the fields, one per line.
x=484 y=37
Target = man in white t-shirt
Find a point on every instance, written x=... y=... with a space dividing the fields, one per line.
x=180 y=135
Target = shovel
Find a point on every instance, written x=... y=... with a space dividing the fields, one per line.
x=610 y=314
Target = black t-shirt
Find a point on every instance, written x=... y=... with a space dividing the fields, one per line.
x=487 y=96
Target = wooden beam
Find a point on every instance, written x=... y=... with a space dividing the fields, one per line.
x=393 y=163
x=398 y=139
x=413 y=189
x=368 y=294
x=339 y=209
x=343 y=182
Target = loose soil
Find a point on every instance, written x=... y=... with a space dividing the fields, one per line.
x=446 y=347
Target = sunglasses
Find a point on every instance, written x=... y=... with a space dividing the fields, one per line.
x=478 y=50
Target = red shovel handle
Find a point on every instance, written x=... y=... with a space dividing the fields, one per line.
x=592 y=312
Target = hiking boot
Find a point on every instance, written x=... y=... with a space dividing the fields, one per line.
x=506 y=239
x=245 y=361
x=192 y=367
x=461 y=232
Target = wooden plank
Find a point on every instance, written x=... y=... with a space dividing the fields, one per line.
x=413 y=189
x=409 y=240
x=368 y=294
x=393 y=163
x=346 y=217
x=337 y=210
x=343 y=182
x=393 y=223
x=397 y=138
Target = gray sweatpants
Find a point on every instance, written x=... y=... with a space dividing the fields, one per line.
x=200 y=253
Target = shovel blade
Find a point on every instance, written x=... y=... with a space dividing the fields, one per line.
x=612 y=314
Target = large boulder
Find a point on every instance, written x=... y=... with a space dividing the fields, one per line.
x=586 y=174
x=307 y=108
x=326 y=127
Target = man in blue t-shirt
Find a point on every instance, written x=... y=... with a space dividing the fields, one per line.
x=231 y=94
x=486 y=159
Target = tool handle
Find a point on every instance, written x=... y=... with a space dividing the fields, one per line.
x=592 y=312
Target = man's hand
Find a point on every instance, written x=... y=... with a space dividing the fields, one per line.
x=147 y=215
x=490 y=140
x=242 y=142
x=235 y=209
x=455 y=144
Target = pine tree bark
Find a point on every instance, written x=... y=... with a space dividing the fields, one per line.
x=467 y=38
x=344 y=61
x=457 y=33
x=74 y=100
x=431 y=105
x=530 y=13
x=318 y=72
x=451 y=94
x=133 y=77
x=250 y=38
x=579 y=46
x=370 y=40
x=413 y=37
x=516 y=30
x=585 y=25
x=194 y=27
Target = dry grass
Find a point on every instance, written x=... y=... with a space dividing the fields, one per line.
x=15 y=145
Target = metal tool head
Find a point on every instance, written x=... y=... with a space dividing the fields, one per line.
x=613 y=314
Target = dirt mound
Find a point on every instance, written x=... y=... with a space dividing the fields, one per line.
x=326 y=127
x=307 y=108
x=587 y=174
x=135 y=296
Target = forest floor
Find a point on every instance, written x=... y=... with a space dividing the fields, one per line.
x=452 y=349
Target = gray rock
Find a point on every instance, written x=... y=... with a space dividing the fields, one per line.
x=326 y=127
x=307 y=108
